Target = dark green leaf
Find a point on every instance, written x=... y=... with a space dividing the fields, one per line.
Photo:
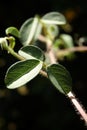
x=32 y=52
x=60 y=78
x=13 y=31
x=22 y=72
x=54 y=18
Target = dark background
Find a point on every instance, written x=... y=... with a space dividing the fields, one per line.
x=41 y=106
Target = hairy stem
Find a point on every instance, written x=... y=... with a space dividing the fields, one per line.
x=78 y=106
x=53 y=60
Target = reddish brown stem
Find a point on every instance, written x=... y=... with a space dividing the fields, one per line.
x=78 y=106
x=52 y=57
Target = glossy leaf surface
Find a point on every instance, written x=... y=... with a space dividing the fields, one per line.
x=60 y=78
x=22 y=72
x=32 y=52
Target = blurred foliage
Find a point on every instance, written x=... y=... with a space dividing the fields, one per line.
x=39 y=105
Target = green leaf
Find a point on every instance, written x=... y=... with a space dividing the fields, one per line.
x=60 y=78
x=30 y=30
x=11 y=40
x=22 y=72
x=32 y=52
x=54 y=18
x=13 y=31
x=52 y=31
x=68 y=40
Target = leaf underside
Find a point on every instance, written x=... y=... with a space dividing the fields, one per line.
x=30 y=30
x=54 y=18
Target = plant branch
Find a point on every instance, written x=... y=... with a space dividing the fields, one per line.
x=63 y=52
x=49 y=48
x=11 y=51
x=53 y=60
x=78 y=106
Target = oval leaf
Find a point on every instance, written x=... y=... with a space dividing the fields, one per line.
x=60 y=78
x=25 y=31
x=13 y=31
x=54 y=18
x=30 y=29
x=22 y=72
x=52 y=31
x=32 y=52
x=68 y=40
